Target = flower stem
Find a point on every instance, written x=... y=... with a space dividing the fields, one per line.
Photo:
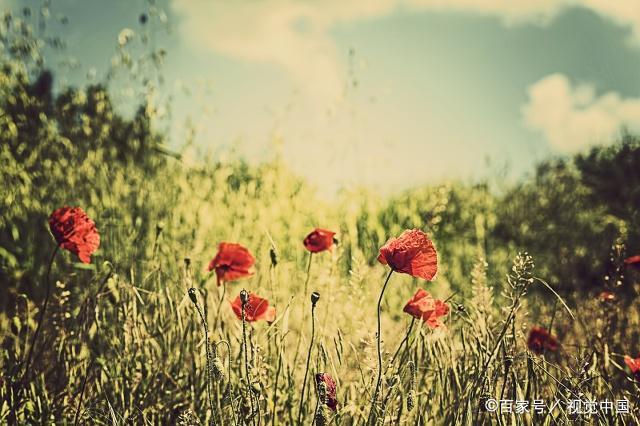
x=378 y=339
x=304 y=313
x=405 y=340
x=306 y=281
x=246 y=362
x=208 y=367
x=41 y=317
x=306 y=369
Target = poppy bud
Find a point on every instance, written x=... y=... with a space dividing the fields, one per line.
x=244 y=297
x=508 y=361
x=274 y=256
x=187 y=261
x=193 y=296
x=217 y=369
x=315 y=296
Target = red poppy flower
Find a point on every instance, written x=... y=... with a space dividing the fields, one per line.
x=607 y=296
x=75 y=231
x=232 y=262
x=319 y=240
x=332 y=401
x=634 y=366
x=541 y=340
x=256 y=309
x=412 y=253
x=633 y=261
x=423 y=306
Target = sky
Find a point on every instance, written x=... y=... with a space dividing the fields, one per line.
x=386 y=94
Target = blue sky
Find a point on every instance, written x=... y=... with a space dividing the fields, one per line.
x=388 y=94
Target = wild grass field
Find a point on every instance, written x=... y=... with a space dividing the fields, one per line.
x=134 y=311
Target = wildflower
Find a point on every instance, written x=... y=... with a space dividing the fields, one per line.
x=232 y=262
x=412 y=253
x=330 y=395
x=607 y=296
x=75 y=231
x=423 y=306
x=541 y=340
x=633 y=261
x=319 y=240
x=255 y=309
x=634 y=366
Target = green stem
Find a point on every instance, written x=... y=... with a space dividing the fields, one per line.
x=306 y=370
x=41 y=317
x=378 y=339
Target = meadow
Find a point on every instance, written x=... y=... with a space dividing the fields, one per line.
x=535 y=298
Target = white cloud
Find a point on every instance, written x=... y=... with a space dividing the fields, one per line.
x=572 y=117
x=295 y=35
x=290 y=34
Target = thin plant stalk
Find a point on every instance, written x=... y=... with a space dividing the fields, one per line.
x=304 y=313
x=404 y=341
x=34 y=339
x=275 y=387
x=378 y=340
x=224 y=291
x=82 y=389
x=306 y=369
x=306 y=281
x=246 y=357
x=208 y=355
